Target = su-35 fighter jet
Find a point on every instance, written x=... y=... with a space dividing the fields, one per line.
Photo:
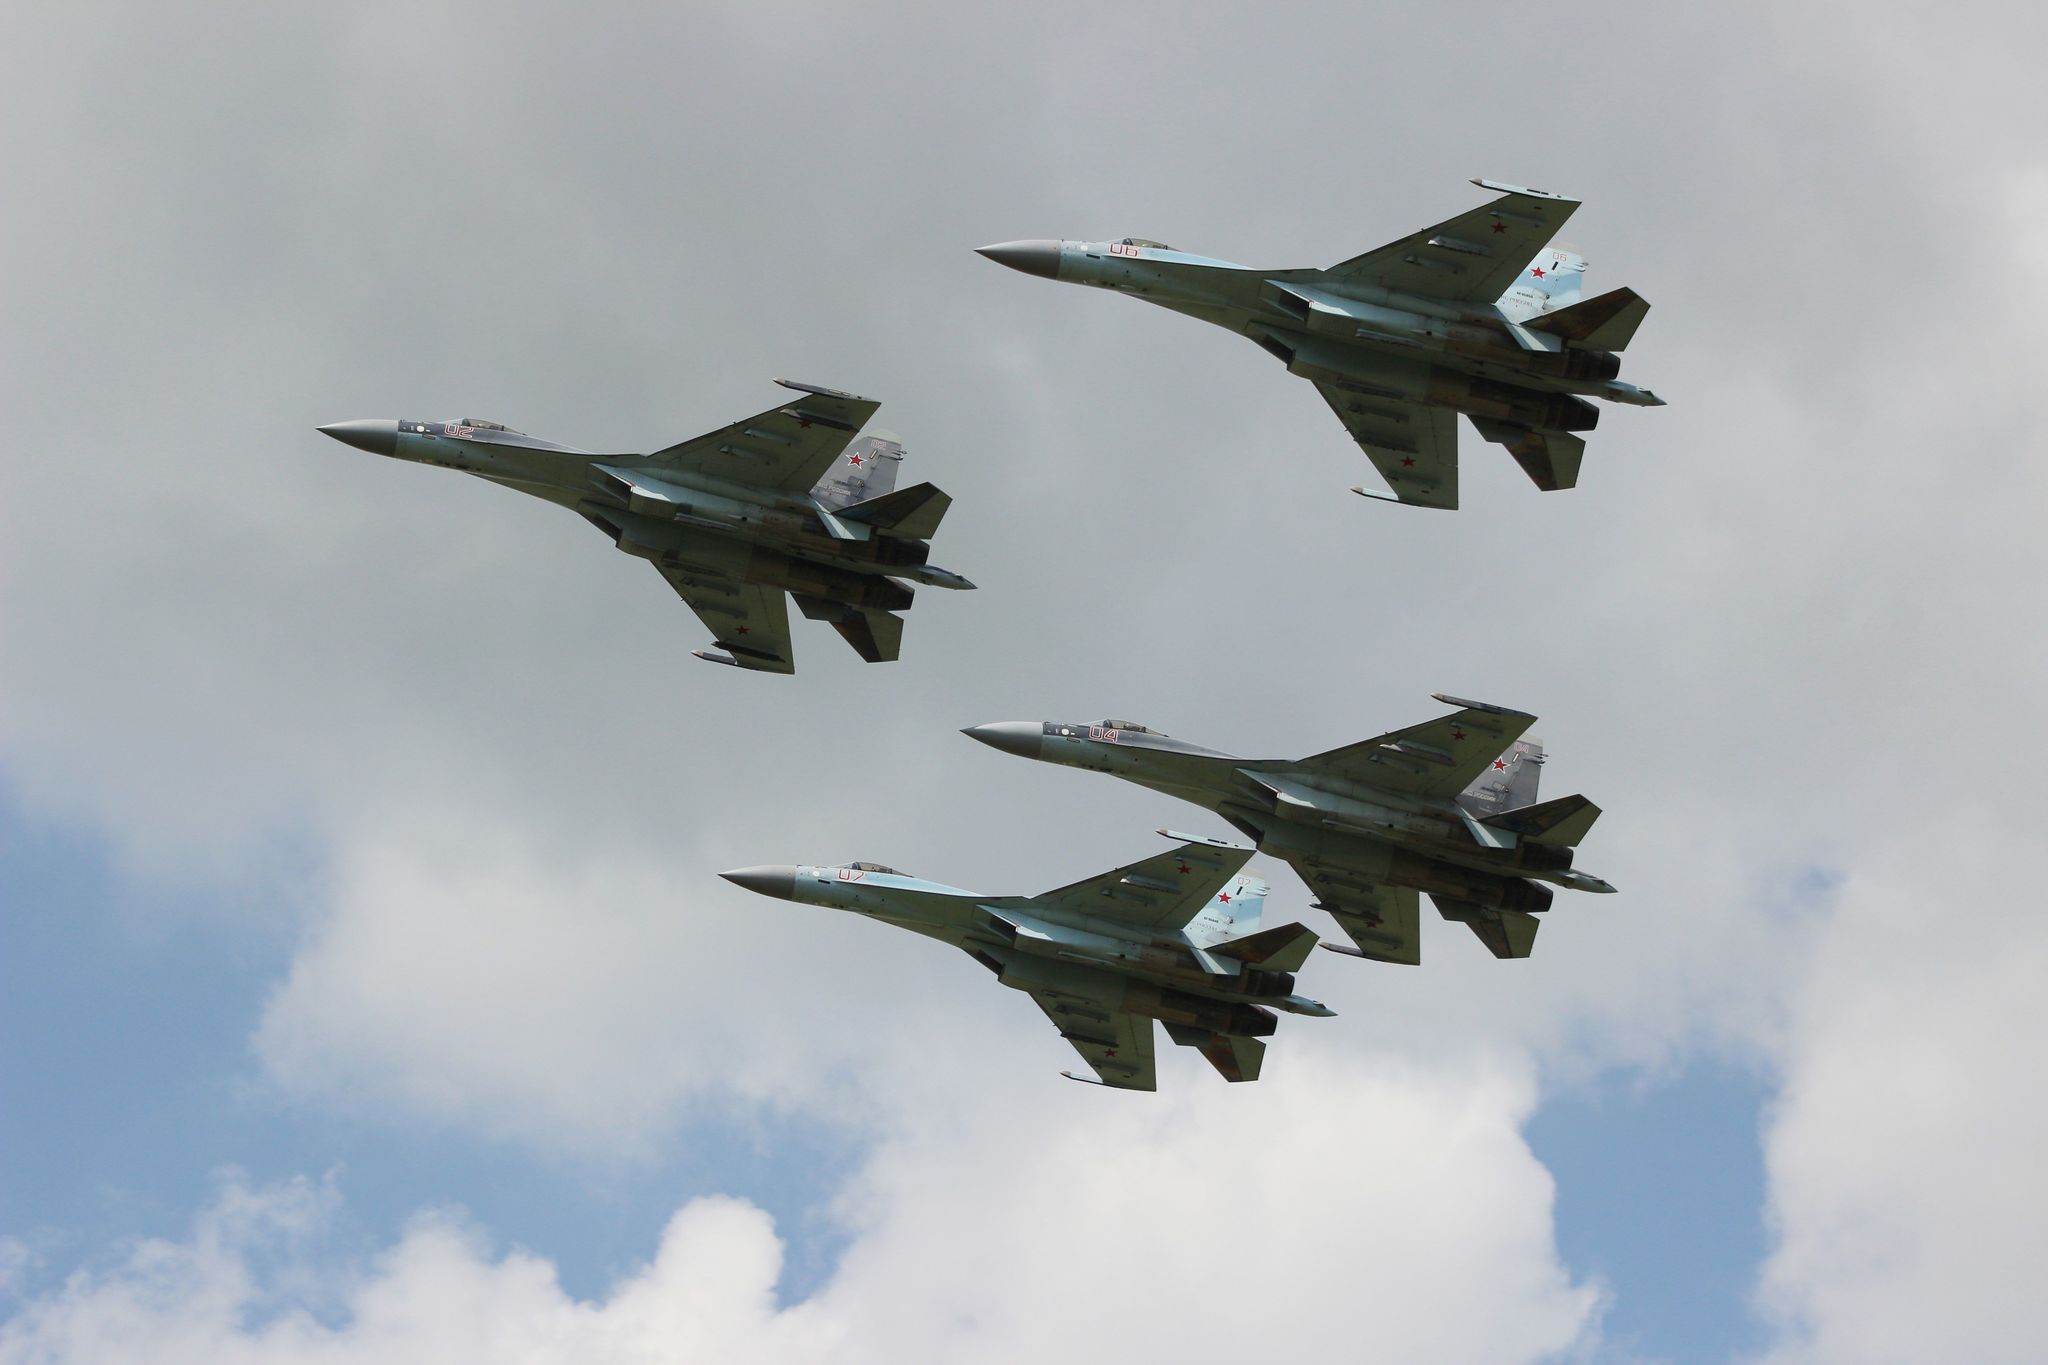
x=1448 y=807
x=786 y=501
x=1477 y=315
x=1174 y=938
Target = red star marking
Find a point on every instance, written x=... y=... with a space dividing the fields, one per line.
x=1500 y=765
x=853 y=459
x=1109 y=1052
x=1457 y=734
x=804 y=423
x=1225 y=898
x=744 y=630
x=1537 y=271
x=1500 y=227
x=1185 y=868
x=1407 y=461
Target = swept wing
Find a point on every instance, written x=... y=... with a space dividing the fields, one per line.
x=1415 y=448
x=1471 y=258
x=1162 y=892
x=786 y=449
x=1439 y=757
x=1116 y=1044
x=748 y=620
x=1384 y=921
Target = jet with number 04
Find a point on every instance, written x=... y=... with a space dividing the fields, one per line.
x=1447 y=807
x=1174 y=937
x=785 y=501
x=1479 y=315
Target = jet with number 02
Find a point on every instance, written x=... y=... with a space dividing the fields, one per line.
x=1174 y=937
x=1479 y=315
x=1447 y=807
x=785 y=501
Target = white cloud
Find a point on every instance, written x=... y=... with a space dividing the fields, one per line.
x=1212 y=1226
x=1905 y=1161
x=1786 y=623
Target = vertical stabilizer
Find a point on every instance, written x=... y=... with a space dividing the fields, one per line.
x=1232 y=913
x=1510 y=781
x=865 y=471
x=1553 y=280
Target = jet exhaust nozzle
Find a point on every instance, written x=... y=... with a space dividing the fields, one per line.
x=1544 y=858
x=1526 y=896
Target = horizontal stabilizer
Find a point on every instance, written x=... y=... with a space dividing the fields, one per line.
x=1605 y=322
x=911 y=513
x=1506 y=933
x=1563 y=821
x=1235 y=1058
x=876 y=636
x=820 y=608
x=1282 y=948
x=1551 y=459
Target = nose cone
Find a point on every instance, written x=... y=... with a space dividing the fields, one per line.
x=1024 y=738
x=1040 y=256
x=779 y=882
x=378 y=435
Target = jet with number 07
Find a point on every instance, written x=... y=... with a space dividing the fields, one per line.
x=1174 y=937
x=1447 y=807
x=787 y=501
x=1479 y=314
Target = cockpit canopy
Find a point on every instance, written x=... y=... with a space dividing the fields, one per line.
x=1131 y=726
x=1156 y=246
x=877 y=867
x=481 y=424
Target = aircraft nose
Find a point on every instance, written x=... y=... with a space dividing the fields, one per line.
x=1024 y=738
x=1039 y=256
x=777 y=881
x=378 y=435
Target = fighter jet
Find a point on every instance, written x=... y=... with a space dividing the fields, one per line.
x=1174 y=938
x=1477 y=315
x=1448 y=807
x=785 y=501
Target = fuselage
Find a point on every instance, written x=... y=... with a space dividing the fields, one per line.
x=1354 y=335
x=1033 y=947
x=675 y=520
x=1311 y=821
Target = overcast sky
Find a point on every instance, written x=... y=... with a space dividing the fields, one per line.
x=366 y=989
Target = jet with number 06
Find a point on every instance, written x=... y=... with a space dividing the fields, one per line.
x=1447 y=807
x=785 y=501
x=1479 y=315
x=1174 y=937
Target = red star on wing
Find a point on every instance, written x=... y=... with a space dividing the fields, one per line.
x=1500 y=227
x=1500 y=765
x=1185 y=869
x=1407 y=462
x=853 y=459
x=1457 y=734
x=1224 y=897
x=1537 y=271
x=744 y=630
